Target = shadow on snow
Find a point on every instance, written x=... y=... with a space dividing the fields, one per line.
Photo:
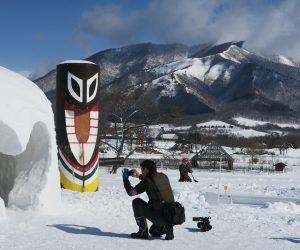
x=194 y=230
x=76 y=229
x=291 y=239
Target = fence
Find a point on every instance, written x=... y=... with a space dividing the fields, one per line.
x=174 y=164
x=168 y=163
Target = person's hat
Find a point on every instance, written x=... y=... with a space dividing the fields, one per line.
x=185 y=160
x=150 y=165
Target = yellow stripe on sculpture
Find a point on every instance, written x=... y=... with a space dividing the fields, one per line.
x=66 y=183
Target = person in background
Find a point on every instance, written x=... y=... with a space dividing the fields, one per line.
x=151 y=182
x=184 y=170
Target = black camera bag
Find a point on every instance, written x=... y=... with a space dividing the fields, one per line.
x=174 y=213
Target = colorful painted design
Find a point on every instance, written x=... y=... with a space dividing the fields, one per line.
x=77 y=119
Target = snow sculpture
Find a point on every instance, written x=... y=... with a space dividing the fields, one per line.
x=29 y=176
x=77 y=111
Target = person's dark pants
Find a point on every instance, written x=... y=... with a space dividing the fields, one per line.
x=143 y=209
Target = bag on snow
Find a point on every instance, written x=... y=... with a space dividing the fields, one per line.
x=174 y=213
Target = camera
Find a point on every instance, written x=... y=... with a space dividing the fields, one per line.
x=130 y=173
x=127 y=172
x=203 y=223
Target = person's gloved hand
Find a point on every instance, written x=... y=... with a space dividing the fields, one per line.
x=125 y=173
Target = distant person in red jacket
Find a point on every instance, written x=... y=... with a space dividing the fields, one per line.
x=184 y=170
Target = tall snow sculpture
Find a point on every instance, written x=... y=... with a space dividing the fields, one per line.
x=29 y=176
x=77 y=112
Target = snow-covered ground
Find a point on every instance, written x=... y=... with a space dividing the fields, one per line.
x=229 y=129
x=215 y=127
x=104 y=219
x=253 y=123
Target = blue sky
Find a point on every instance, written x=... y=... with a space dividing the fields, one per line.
x=38 y=34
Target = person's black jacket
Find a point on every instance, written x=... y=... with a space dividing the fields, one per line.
x=148 y=184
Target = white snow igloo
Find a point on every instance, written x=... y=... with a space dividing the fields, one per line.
x=29 y=175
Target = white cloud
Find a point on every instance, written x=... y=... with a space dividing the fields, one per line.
x=267 y=26
x=43 y=68
x=25 y=73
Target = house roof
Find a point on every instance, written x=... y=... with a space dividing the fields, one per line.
x=169 y=136
x=280 y=164
x=213 y=152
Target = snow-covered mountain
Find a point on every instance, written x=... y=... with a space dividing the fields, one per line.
x=230 y=81
x=205 y=79
x=117 y=63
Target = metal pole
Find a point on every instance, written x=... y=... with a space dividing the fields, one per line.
x=219 y=180
x=196 y=142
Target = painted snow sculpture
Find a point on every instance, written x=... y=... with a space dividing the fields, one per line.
x=77 y=112
x=29 y=176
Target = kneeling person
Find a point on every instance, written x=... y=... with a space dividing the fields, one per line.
x=158 y=189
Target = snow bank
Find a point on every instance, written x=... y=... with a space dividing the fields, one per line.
x=29 y=177
x=247 y=133
x=281 y=207
x=253 y=123
x=214 y=123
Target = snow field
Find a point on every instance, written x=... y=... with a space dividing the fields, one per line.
x=104 y=219
x=35 y=218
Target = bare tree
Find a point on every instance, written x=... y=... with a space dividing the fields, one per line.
x=126 y=113
x=141 y=134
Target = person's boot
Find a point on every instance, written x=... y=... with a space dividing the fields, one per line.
x=156 y=231
x=143 y=229
x=169 y=232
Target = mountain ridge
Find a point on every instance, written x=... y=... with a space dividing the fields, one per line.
x=205 y=79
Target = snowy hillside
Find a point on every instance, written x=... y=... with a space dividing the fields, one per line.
x=286 y=61
x=211 y=68
x=214 y=79
x=253 y=123
x=213 y=127
x=115 y=63
x=220 y=127
x=215 y=82
x=215 y=124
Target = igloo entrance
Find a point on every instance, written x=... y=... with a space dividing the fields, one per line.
x=22 y=177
